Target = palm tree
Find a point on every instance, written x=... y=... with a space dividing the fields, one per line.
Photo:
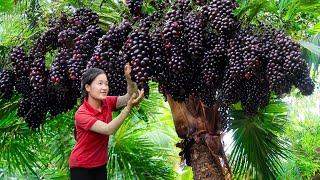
x=258 y=147
x=199 y=126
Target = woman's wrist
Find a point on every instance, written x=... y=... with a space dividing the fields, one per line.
x=127 y=108
x=131 y=88
x=129 y=80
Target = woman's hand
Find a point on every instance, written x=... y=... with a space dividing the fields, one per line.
x=135 y=99
x=127 y=71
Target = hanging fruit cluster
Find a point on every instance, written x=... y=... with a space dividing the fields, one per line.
x=206 y=53
x=55 y=89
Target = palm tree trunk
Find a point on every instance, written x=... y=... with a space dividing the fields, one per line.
x=199 y=127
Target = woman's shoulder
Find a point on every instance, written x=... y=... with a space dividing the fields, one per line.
x=81 y=110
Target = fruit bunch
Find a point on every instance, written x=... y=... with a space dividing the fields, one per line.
x=208 y=54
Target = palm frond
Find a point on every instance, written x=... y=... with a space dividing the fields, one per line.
x=295 y=17
x=313 y=48
x=144 y=149
x=109 y=11
x=257 y=148
x=14 y=32
x=60 y=132
x=8 y=106
x=149 y=107
x=315 y=29
x=17 y=143
x=32 y=152
x=311 y=53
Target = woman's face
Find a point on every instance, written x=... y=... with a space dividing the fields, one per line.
x=99 y=88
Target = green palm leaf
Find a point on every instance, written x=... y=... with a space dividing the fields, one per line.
x=315 y=29
x=109 y=11
x=293 y=16
x=60 y=132
x=17 y=144
x=257 y=148
x=313 y=48
x=144 y=150
x=7 y=107
x=311 y=52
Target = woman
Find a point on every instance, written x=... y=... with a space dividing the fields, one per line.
x=93 y=123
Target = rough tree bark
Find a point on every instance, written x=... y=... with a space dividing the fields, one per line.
x=199 y=127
